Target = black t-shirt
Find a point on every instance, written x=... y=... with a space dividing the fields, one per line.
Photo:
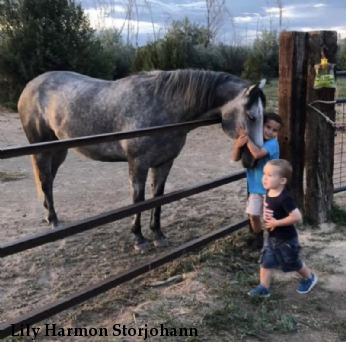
x=282 y=205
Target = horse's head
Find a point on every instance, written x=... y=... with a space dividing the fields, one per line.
x=246 y=109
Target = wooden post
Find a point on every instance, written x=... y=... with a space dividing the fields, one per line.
x=292 y=107
x=319 y=138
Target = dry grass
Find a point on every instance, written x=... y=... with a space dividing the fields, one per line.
x=10 y=176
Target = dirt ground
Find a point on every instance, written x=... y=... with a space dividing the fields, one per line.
x=211 y=295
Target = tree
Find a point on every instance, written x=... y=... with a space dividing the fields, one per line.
x=264 y=59
x=174 y=51
x=215 y=10
x=38 y=36
x=119 y=55
x=341 y=60
x=185 y=30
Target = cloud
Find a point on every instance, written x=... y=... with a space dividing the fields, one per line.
x=247 y=15
x=97 y=21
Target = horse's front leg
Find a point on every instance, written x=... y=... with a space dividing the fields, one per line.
x=159 y=176
x=137 y=176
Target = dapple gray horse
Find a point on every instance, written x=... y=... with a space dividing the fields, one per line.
x=62 y=105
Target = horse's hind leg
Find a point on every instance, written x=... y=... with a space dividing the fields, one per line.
x=47 y=166
x=138 y=175
x=159 y=176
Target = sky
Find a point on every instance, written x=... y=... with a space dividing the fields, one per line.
x=241 y=19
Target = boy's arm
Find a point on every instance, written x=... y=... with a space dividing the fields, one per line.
x=293 y=217
x=241 y=141
x=257 y=152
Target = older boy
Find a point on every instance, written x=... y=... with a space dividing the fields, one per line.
x=269 y=150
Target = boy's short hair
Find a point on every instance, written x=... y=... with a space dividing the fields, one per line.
x=284 y=166
x=273 y=116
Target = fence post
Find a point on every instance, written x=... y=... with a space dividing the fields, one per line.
x=319 y=138
x=292 y=106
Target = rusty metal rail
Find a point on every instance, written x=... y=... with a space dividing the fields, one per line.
x=17 y=151
x=46 y=311
x=38 y=239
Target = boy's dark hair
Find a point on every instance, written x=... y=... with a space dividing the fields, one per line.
x=273 y=116
x=285 y=168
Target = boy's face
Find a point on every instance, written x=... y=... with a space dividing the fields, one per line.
x=271 y=177
x=271 y=129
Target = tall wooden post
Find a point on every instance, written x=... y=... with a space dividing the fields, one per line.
x=292 y=106
x=319 y=137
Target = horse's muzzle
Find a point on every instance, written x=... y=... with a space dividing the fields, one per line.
x=247 y=158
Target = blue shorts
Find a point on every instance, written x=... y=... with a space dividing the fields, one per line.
x=282 y=254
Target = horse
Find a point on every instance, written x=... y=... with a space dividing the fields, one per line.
x=62 y=105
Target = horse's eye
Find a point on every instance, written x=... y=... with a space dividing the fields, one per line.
x=251 y=117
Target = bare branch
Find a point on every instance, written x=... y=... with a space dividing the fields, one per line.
x=151 y=17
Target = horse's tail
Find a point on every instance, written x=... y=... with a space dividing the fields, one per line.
x=36 y=176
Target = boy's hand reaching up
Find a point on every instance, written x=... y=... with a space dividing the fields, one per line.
x=241 y=141
x=241 y=130
x=242 y=136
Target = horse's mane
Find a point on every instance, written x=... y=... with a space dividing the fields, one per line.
x=198 y=87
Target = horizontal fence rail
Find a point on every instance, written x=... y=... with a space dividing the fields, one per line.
x=11 y=152
x=340 y=100
x=38 y=239
x=341 y=73
x=46 y=311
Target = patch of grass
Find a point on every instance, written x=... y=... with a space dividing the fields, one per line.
x=339 y=326
x=337 y=215
x=264 y=319
x=14 y=339
x=7 y=176
x=228 y=254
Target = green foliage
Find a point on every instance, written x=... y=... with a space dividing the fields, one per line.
x=118 y=55
x=341 y=57
x=264 y=58
x=337 y=215
x=233 y=57
x=184 y=46
x=184 y=30
x=38 y=36
x=174 y=51
x=164 y=54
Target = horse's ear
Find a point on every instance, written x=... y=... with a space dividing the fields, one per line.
x=260 y=85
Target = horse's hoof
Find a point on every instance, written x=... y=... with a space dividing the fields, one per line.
x=55 y=224
x=142 y=247
x=161 y=242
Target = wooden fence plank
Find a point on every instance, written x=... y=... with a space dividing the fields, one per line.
x=292 y=106
x=319 y=137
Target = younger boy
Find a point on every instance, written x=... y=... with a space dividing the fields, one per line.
x=281 y=246
x=270 y=150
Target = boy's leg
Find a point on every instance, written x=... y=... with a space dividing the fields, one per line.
x=308 y=281
x=256 y=225
x=304 y=272
x=254 y=209
x=266 y=276
x=262 y=289
x=256 y=240
x=268 y=263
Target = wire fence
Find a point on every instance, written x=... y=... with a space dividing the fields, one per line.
x=339 y=175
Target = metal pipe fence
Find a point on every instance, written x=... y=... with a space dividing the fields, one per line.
x=339 y=174
x=38 y=239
